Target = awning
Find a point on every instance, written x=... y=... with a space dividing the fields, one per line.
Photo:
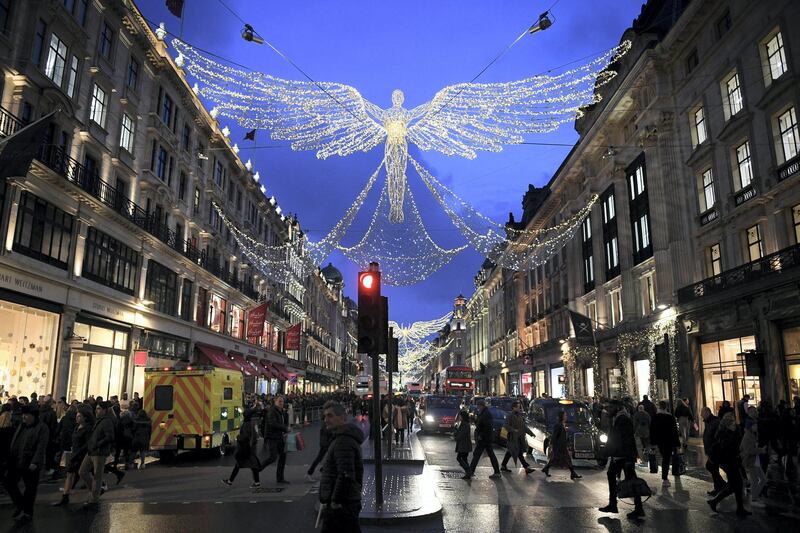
x=216 y=357
x=281 y=371
x=263 y=372
x=238 y=360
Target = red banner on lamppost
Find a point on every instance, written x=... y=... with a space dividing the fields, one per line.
x=255 y=322
x=293 y=337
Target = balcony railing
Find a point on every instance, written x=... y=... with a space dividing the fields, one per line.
x=748 y=193
x=9 y=124
x=768 y=266
x=789 y=168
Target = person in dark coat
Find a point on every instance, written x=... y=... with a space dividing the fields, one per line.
x=245 y=454
x=463 y=443
x=324 y=443
x=516 y=445
x=84 y=420
x=664 y=435
x=66 y=426
x=98 y=446
x=559 y=451
x=725 y=452
x=483 y=440
x=621 y=451
x=710 y=427
x=276 y=428
x=125 y=429
x=47 y=417
x=7 y=431
x=649 y=406
x=142 y=428
x=26 y=459
x=342 y=473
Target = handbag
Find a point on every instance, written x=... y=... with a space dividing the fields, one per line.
x=678 y=464
x=631 y=488
x=503 y=433
x=262 y=451
x=291 y=442
x=652 y=459
x=301 y=442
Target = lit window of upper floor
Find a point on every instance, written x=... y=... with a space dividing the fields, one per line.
x=732 y=98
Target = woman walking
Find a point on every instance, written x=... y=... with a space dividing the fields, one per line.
x=463 y=443
x=560 y=457
x=141 y=433
x=400 y=422
x=84 y=421
x=725 y=453
x=664 y=435
x=245 y=454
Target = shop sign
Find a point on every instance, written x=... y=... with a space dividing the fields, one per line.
x=293 y=337
x=255 y=321
x=28 y=285
x=140 y=357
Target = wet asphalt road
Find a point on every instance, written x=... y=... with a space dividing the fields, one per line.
x=188 y=496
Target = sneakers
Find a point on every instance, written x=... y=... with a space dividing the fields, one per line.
x=228 y=482
x=665 y=483
x=141 y=466
x=63 y=501
x=609 y=509
x=283 y=482
x=529 y=469
x=504 y=469
x=575 y=475
x=636 y=514
x=496 y=475
x=255 y=485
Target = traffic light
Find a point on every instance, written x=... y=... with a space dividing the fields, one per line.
x=370 y=311
x=391 y=357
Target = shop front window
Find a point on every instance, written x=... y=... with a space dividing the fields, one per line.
x=791 y=350
x=541 y=387
x=614 y=379
x=724 y=376
x=237 y=322
x=216 y=313
x=558 y=387
x=589 y=380
x=28 y=339
x=641 y=371
x=95 y=374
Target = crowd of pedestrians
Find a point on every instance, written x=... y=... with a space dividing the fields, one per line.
x=89 y=438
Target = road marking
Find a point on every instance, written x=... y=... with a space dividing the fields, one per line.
x=217 y=503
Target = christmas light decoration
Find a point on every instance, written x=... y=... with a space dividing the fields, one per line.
x=334 y=119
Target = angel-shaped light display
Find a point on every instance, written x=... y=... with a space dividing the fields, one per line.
x=334 y=119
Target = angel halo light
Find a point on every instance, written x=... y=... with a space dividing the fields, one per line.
x=460 y=120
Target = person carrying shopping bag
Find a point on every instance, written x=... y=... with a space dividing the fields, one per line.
x=245 y=453
x=463 y=443
x=516 y=445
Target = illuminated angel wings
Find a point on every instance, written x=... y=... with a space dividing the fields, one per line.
x=335 y=119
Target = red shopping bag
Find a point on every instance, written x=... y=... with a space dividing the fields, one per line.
x=301 y=442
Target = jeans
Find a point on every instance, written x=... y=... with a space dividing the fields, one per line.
x=461 y=457
x=341 y=520
x=320 y=455
x=23 y=501
x=666 y=456
x=236 y=471
x=480 y=447
x=734 y=486
x=683 y=428
x=615 y=466
x=400 y=436
x=91 y=473
x=277 y=452
x=757 y=480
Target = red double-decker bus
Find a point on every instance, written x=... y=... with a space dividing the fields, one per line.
x=458 y=380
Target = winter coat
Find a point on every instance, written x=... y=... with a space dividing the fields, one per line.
x=277 y=424
x=621 y=441
x=343 y=468
x=682 y=411
x=102 y=438
x=29 y=446
x=78 y=445
x=483 y=427
x=324 y=436
x=126 y=428
x=66 y=427
x=641 y=424
x=463 y=438
x=141 y=431
x=245 y=455
x=664 y=431
x=559 y=456
x=515 y=441
x=748 y=449
x=710 y=432
x=399 y=417
x=725 y=450
x=649 y=407
x=47 y=417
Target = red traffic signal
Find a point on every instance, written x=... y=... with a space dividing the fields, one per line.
x=367 y=280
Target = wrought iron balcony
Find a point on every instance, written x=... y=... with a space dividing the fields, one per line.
x=789 y=168
x=772 y=265
x=9 y=124
x=747 y=193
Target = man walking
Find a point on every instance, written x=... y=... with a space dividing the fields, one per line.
x=684 y=415
x=342 y=473
x=649 y=406
x=711 y=425
x=621 y=451
x=276 y=428
x=324 y=444
x=641 y=424
x=99 y=447
x=664 y=434
x=26 y=459
x=483 y=440
x=517 y=445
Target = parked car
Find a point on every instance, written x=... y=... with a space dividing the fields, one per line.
x=439 y=412
x=501 y=402
x=499 y=417
x=584 y=440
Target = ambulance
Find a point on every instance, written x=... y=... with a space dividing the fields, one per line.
x=193 y=408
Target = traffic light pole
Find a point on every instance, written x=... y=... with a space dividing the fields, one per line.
x=377 y=434
x=391 y=398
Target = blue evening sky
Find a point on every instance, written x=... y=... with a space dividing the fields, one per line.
x=417 y=46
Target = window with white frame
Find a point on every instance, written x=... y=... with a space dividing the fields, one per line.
x=744 y=167
x=732 y=95
x=648 y=288
x=641 y=233
x=56 y=60
x=126 y=133
x=775 y=56
x=608 y=209
x=588 y=270
x=586 y=229
x=97 y=110
x=72 y=79
x=714 y=260
x=755 y=245
x=612 y=254
x=591 y=311
x=614 y=299
x=636 y=182
x=788 y=131
x=707 y=198
x=699 y=133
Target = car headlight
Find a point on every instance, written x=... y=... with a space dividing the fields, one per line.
x=603 y=438
x=429 y=418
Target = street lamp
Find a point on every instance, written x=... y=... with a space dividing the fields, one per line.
x=250 y=35
x=543 y=23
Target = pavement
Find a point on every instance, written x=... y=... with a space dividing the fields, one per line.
x=188 y=496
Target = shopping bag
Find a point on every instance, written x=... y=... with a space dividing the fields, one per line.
x=503 y=433
x=678 y=464
x=262 y=451
x=630 y=488
x=291 y=442
x=301 y=442
x=652 y=458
